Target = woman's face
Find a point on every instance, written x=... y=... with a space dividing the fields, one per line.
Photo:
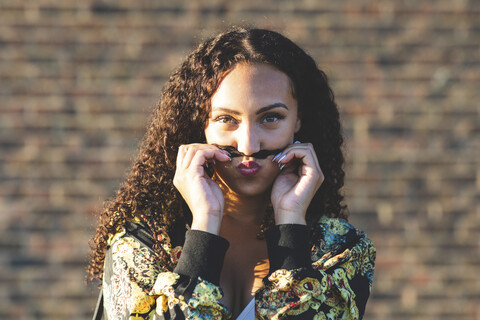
x=253 y=109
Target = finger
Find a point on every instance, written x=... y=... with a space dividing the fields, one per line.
x=297 y=144
x=305 y=161
x=309 y=172
x=188 y=152
x=305 y=154
x=192 y=150
x=182 y=150
x=293 y=166
x=201 y=156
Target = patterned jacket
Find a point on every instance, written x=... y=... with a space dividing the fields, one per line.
x=326 y=277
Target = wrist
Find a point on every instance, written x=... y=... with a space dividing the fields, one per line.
x=288 y=247
x=210 y=224
x=283 y=217
x=202 y=256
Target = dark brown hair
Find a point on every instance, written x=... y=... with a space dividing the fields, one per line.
x=181 y=116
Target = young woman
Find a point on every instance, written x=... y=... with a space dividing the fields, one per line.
x=236 y=195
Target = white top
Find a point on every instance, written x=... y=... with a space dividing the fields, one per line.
x=249 y=312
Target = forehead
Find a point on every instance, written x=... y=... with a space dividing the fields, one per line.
x=253 y=85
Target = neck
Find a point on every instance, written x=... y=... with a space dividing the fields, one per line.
x=242 y=214
x=246 y=209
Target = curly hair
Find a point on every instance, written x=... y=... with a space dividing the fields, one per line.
x=182 y=114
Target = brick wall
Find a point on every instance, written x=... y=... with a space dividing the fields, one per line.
x=79 y=78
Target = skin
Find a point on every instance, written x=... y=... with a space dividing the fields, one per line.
x=252 y=109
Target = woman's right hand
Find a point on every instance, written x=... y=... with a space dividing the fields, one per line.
x=203 y=195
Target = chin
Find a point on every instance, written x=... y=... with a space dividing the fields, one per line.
x=249 y=190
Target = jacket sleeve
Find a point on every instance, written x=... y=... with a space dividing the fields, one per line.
x=137 y=286
x=329 y=280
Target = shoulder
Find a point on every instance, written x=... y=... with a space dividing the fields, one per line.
x=335 y=241
x=131 y=260
x=130 y=270
x=131 y=250
x=336 y=235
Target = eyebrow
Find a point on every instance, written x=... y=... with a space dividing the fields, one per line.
x=263 y=109
x=272 y=106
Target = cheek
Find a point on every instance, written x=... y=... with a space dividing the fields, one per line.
x=287 y=131
x=284 y=136
x=224 y=168
x=215 y=136
x=271 y=168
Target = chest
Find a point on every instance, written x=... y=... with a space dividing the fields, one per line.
x=243 y=270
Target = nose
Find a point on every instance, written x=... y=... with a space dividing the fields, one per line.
x=248 y=140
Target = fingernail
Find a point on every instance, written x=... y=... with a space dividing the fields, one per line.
x=225 y=152
x=213 y=161
x=278 y=154
x=282 y=166
x=281 y=158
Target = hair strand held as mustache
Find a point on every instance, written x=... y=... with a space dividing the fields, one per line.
x=262 y=154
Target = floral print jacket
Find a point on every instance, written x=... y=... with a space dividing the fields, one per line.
x=330 y=279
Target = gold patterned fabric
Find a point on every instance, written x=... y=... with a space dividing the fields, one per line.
x=340 y=279
x=336 y=286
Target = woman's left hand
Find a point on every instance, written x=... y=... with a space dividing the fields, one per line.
x=295 y=186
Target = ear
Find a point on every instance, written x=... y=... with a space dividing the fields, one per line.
x=298 y=125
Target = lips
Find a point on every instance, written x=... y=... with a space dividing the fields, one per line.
x=248 y=168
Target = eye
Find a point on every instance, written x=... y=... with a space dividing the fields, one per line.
x=225 y=119
x=272 y=117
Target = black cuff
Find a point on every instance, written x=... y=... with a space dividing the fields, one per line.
x=202 y=256
x=288 y=247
